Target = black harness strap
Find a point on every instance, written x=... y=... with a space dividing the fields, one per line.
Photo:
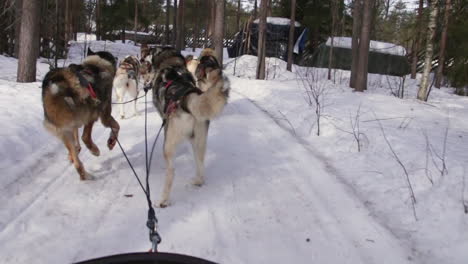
x=152 y=221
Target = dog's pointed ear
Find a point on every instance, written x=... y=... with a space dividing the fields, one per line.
x=90 y=52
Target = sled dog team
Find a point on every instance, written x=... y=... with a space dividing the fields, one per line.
x=187 y=94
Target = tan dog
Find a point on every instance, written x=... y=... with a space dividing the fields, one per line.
x=192 y=64
x=187 y=110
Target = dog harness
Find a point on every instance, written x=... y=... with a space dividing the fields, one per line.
x=85 y=83
x=175 y=96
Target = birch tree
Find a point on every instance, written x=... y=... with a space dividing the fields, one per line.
x=423 y=88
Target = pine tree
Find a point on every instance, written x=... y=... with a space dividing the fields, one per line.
x=364 y=42
x=261 y=46
x=292 y=28
x=218 y=35
x=29 y=41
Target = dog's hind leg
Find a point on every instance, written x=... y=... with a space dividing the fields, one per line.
x=172 y=139
x=87 y=139
x=198 y=141
x=76 y=141
x=108 y=121
x=133 y=92
x=68 y=140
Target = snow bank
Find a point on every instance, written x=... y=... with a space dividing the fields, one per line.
x=78 y=49
x=245 y=66
x=376 y=46
x=440 y=234
x=280 y=21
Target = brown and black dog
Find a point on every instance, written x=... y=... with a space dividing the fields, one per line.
x=77 y=96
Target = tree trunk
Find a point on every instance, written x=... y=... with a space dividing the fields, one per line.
x=174 y=25
x=443 y=44
x=29 y=41
x=334 y=15
x=355 y=42
x=238 y=15
x=292 y=28
x=387 y=8
x=135 y=24
x=18 y=9
x=70 y=21
x=423 y=88
x=197 y=26
x=364 y=41
x=44 y=34
x=67 y=20
x=417 y=40
x=168 y=8
x=180 y=25
x=98 y=19
x=269 y=6
x=255 y=10
x=219 y=31
x=211 y=28
x=261 y=46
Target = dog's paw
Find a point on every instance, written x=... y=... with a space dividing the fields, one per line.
x=95 y=150
x=163 y=204
x=198 y=181
x=111 y=142
x=88 y=177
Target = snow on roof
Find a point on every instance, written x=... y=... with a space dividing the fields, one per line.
x=116 y=32
x=376 y=46
x=282 y=21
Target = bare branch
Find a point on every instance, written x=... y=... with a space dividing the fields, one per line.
x=464 y=200
x=410 y=187
x=287 y=120
x=428 y=152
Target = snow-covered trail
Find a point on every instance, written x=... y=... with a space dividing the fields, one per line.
x=267 y=199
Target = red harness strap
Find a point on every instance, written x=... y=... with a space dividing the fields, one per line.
x=168 y=84
x=91 y=91
x=172 y=106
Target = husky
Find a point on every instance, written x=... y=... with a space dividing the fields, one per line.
x=192 y=64
x=185 y=108
x=146 y=72
x=77 y=96
x=127 y=80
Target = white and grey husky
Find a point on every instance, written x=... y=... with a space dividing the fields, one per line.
x=126 y=81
